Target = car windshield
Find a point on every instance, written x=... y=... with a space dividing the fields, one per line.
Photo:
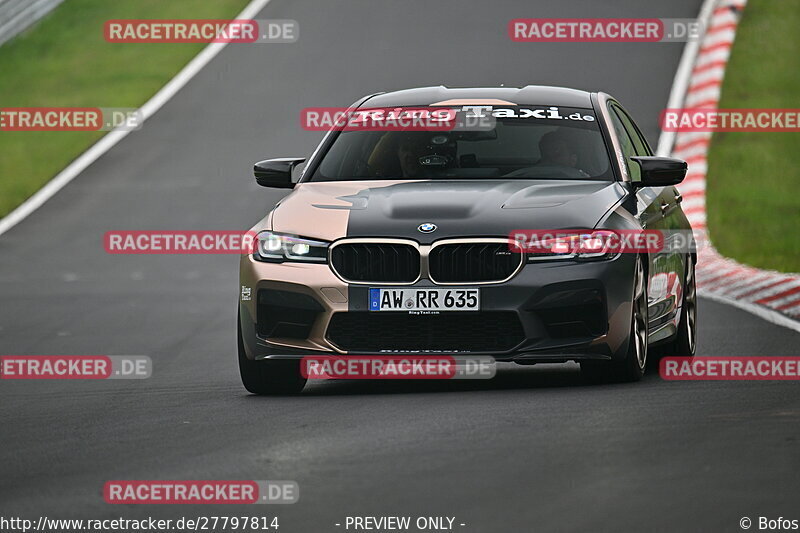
x=542 y=142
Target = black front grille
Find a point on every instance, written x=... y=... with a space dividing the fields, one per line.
x=365 y=331
x=378 y=262
x=473 y=262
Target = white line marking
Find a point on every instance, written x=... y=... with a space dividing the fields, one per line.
x=762 y=312
x=682 y=77
x=113 y=137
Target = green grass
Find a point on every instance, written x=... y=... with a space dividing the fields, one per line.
x=754 y=178
x=65 y=61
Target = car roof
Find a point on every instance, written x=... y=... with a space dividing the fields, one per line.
x=530 y=95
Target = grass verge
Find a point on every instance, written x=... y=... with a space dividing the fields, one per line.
x=65 y=61
x=753 y=178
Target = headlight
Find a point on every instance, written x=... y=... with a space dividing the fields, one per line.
x=597 y=245
x=277 y=248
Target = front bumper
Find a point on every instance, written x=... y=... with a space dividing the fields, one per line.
x=548 y=312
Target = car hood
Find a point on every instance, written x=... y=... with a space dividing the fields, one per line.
x=463 y=208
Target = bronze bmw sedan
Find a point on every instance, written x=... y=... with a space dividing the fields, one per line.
x=401 y=240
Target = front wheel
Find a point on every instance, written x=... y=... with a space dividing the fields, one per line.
x=279 y=376
x=631 y=368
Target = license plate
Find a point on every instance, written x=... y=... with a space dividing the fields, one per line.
x=454 y=299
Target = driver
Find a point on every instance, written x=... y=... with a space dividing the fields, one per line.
x=408 y=152
x=556 y=150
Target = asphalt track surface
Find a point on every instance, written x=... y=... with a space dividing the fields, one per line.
x=532 y=450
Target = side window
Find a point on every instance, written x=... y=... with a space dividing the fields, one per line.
x=639 y=143
x=628 y=146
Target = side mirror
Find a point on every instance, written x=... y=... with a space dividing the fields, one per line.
x=660 y=171
x=276 y=173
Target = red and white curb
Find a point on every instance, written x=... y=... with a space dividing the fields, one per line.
x=771 y=295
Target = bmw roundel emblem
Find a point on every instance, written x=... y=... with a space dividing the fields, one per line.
x=427 y=227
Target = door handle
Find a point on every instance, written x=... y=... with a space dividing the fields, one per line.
x=678 y=197
x=664 y=208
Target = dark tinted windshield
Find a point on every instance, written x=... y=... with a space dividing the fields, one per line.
x=520 y=143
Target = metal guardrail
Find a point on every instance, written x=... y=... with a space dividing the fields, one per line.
x=17 y=15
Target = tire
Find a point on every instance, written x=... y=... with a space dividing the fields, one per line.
x=685 y=343
x=632 y=367
x=279 y=376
